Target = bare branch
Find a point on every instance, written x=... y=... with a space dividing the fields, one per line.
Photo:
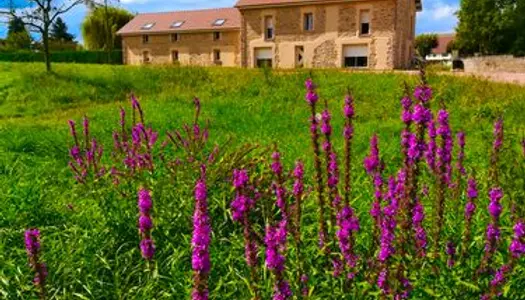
x=64 y=9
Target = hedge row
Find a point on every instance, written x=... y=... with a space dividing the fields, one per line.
x=86 y=57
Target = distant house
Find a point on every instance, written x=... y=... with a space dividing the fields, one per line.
x=369 y=34
x=440 y=53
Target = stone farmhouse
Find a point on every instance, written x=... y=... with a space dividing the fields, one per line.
x=373 y=34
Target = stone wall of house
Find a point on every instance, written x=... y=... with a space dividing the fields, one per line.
x=335 y=26
x=496 y=63
x=194 y=48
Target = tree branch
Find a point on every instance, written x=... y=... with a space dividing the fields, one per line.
x=64 y=9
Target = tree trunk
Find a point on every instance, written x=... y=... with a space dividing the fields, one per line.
x=45 y=38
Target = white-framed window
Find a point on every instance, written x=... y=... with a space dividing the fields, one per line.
x=147 y=26
x=145 y=39
x=219 y=22
x=217 y=36
x=364 y=22
x=268 y=28
x=175 y=56
x=175 y=37
x=308 y=20
x=177 y=24
x=355 y=56
x=145 y=57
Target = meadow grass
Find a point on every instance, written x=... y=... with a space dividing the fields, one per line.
x=91 y=250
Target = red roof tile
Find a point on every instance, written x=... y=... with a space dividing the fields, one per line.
x=194 y=20
x=247 y=3
x=443 y=41
x=244 y=3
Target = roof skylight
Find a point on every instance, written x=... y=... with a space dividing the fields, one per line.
x=147 y=26
x=219 y=22
x=177 y=24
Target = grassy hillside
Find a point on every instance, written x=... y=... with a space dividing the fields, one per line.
x=92 y=251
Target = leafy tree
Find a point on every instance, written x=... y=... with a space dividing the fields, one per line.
x=17 y=35
x=425 y=43
x=16 y=25
x=94 y=26
x=39 y=15
x=491 y=26
x=59 y=31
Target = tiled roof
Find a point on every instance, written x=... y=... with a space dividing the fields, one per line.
x=248 y=3
x=245 y=3
x=195 y=20
x=443 y=41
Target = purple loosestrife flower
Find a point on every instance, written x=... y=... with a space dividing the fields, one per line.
x=277 y=167
x=517 y=246
x=145 y=205
x=423 y=93
x=33 y=247
x=470 y=208
x=495 y=208
x=498 y=134
x=201 y=238
x=451 y=252
x=421 y=115
x=326 y=128
x=348 y=108
x=311 y=95
x=417 y=222
x=348 y=224
x=312 y=98
x=382 y=281
x=372 y=162
x=275 y=240
x=406 y=115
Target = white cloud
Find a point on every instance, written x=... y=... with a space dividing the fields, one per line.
x=438 y=16
x=443 y=12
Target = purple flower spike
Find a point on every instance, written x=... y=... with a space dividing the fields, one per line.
x=348 y=109
x=417 y=221
x=201 y=238
x=32 y=243
x=423 y=93
x=147 y=248
x=311 y=95
x=145 y=205
x=372 y=162
x=495 y=207
x=277 y=167
x=498 y=134
x=451 y=252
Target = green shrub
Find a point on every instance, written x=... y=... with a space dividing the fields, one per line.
x=85 y=57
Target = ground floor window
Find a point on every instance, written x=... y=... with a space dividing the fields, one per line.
x=263 y=57
x=175 y=56
x=355 y=56
x=299 y=56
x=145 y=57
x=217 y=57
x=264 y=63
x=356 y=62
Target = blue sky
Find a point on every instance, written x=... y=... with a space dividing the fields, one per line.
x=437 y=16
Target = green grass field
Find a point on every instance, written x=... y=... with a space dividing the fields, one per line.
x=91 y=250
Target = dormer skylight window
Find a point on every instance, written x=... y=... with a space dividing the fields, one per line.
x=177 y=24
x=147 y=26
x=219 y=22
